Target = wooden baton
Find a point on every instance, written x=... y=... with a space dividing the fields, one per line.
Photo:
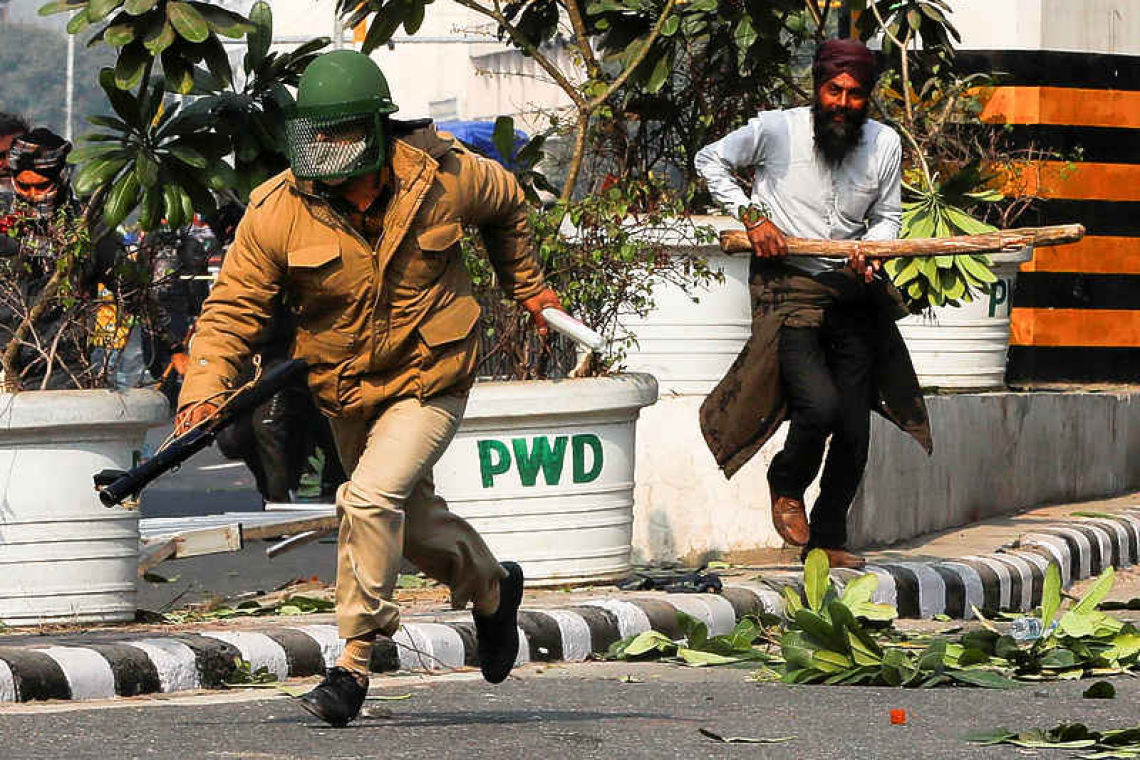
x=736 y=241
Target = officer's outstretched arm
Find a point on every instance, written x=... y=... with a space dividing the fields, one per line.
x=497 y=206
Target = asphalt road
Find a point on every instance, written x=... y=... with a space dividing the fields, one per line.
x=206 y=484
x=580 y=711
x=211 y=484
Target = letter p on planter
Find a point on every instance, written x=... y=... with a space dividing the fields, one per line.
x=544 y=470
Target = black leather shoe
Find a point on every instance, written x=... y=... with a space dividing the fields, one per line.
x=337 y=699
x=498 y=634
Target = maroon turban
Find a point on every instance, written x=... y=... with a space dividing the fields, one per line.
x=835 y=57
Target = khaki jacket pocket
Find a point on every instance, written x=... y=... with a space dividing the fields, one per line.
x=450 y=324
x=440 y=237
x=420 y=264
x=450 y=348
x=312 y=257
x=316 y=280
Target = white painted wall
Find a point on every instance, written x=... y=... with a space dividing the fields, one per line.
x=296 y=19
x=455 y=55
x=1094 y=26
x=999 y=24
x=994 y=454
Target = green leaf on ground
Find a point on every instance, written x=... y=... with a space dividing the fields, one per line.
x=1050 y=595
x=1096 y=593
x=245 y=676
x=816 y=578
x=698 y=659
x=987 y=679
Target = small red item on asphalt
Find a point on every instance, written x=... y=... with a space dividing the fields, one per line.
x=898 y=717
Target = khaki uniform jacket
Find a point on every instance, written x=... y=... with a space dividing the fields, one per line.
x=748 y=405
x=374 y=323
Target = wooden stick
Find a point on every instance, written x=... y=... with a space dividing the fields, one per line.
x=736 y=241
x=154 y=554
x=328 y=524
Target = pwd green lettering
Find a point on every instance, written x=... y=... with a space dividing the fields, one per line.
x=494 y=459
x=541 y=456
x=999 y=294
x=580 y=444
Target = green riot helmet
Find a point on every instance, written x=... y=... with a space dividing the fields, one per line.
x=336 y=129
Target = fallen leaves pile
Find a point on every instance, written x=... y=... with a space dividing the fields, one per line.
x=832 y=637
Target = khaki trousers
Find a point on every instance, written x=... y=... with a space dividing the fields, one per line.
x=389 y=509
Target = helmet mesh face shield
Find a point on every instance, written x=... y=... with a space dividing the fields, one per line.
x=324 y=147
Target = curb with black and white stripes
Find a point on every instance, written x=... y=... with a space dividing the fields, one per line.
x=207 y=659
x=1010 y=579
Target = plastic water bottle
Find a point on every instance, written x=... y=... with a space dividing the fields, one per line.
x=1026 y=629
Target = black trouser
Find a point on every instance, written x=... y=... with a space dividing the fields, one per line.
x=826 y=376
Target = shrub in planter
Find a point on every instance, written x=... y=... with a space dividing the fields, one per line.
x=603 y=256
x=937 y=212
x=936 y=109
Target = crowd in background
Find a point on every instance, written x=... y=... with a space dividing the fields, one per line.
x=147 y=345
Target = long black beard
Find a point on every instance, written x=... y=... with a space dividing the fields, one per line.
x=835 y=140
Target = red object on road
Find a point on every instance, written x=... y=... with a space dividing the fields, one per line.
x=898 y=717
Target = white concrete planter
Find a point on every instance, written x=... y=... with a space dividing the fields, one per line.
x=689 y=346
x=966 y=346
x=544 y=470
x=64 y=557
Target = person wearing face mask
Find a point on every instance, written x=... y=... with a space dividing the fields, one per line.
x=11 y=127
x=41 y=190
x=362 y=235
x=824 y=349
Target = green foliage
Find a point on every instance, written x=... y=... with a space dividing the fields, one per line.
x=414 y=581
x=294 y=605
x=714 y=66
x=928 y=281
x=244 y=674
x=936 y=109
x=907 y=20
x=603 y=255
x=167 y=160
x=1100 y=690
x=185 y=34
x=831 y=638
x=1120 y=743
x=827 y=643
x=696 y=648
x=655 y=80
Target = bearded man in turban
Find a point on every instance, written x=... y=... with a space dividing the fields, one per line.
x=824 y=349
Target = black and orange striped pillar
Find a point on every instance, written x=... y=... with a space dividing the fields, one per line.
x=1076 y=315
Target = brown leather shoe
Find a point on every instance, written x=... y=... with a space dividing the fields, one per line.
x=790 y=520
x=839 y=558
